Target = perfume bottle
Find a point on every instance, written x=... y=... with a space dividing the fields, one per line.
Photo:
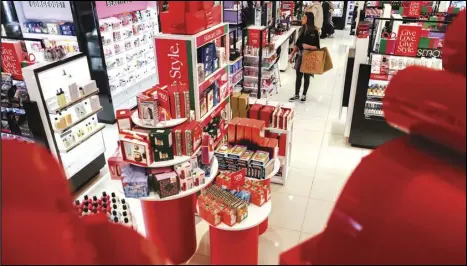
x=68 y=118
x=59 y=102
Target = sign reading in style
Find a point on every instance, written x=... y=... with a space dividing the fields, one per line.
x=407 y=40
x=11 y=59
x=107 y=9
x=47 y=10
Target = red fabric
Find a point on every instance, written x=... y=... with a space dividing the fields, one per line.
x=40 y=226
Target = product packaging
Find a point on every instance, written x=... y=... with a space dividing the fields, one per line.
x=167 y=184
x=152 y=172
x=88 y=86
x=94 y=102
x=136 y=150
x=191 y=138
x=135 y=182
x=147 y=110
x=255 y=111
x=161 y=142
x=243 y=105
x=198 y=177
x=260 y=158
x=116 y=164
x=185 y=175
x=175 y=102
x=236 y=152
x=231 y=130
x=178 y=136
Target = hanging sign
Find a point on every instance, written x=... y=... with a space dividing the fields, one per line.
x=413 y=10
x=107 y=9
x=407 y=40
x=11 y=59
x=47 y=10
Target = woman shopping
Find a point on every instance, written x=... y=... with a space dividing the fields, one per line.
x=308 y=39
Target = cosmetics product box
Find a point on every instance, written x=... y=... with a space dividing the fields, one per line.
x=147 y=110
x=236 y=152
x=234 y=104
x=201 y=75
x=255 y=111
x=192 y=138
x=216 y=95
x=88 y=86
x=228 y=216
x=184 y=100
x=124 y=121
x=260 y=158
x=210 y=98
x=248 y=124
x=184 y=170
x=222 y=151
x=73 y=90
x=136 y=151
x=168 y=184
x=178 y=135
x=198 y=177
x=203 y=105
x=94 y=102
x=231 y=130
x=257 y=196
x=161 y=141
x=245 y=158
x=266 y=115
x=175 y=102
x=116 y=164
x=186 y=184
x=243 y=105
x=152 y=172
x=135 y=182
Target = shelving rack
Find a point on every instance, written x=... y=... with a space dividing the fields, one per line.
x=83 y=158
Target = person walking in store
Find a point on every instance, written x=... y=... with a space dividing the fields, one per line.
x=308 y=39
x=328 y=28
x=317 y=11
x=41 y=226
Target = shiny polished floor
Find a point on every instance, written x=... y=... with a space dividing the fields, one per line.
x=322 y=161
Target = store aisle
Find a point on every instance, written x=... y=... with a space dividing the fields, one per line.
x=321 y=162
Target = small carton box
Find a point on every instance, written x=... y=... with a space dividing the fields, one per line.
x=168 y=184
x=135 y=182
x=124 y=121
x=260 y=158
x=255 y=111
x=236 y=152
x=198 y=177
x=136 y=151
x=192 y=138
x=231 y=130
x=175 y=102
x=266 y=115
x=147 y=110
x=116 y=164
x=240 y=135
x=178 y=140
x=243 y=105
x=161 y=142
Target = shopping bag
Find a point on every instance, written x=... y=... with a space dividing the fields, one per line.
x=327 y=60
x=313 y=62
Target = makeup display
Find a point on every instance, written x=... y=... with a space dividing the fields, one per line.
x=128 y=49
x=67 y=103
x=117 y=209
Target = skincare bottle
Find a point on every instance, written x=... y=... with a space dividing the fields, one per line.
x=59 y=102
x=81 y=92
x=62 y=96
x=68 y=119
x=57 y=123
x=62 y=120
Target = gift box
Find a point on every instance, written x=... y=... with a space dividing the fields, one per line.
x=184 y=100
x=186 y=184
x=236 y=151
x=147 y=110
x=231 y=130
x=273 y=148
x=168 y=184
x=136 y=151
x=257 y=196
x=161 y=142
x=152 y=172
x=255 y=111
x=178 y=140
x=260 y=158
x=116 y=164
x=191 y=137
x=135 y=182
x=198 y=177
x=184 y=171
x=266 y=115
x=124 y=121
x=228 y=215
x=175 y=101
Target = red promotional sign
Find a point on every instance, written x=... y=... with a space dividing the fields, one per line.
x=413 y=10
x=173 y=61
x=212 y=34
x=11 y=59
x=407 y=40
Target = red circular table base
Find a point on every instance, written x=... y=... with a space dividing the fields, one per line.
x=234 y=247
x=170 y=225
x=263 y=226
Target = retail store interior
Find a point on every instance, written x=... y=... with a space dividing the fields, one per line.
x=163 y=120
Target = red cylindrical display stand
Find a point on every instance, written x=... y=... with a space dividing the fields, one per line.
x=171 y=226
x=263 y=226
x=234 y=247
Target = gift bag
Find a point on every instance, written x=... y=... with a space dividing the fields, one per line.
x=314 y=62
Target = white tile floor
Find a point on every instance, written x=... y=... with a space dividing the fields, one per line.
x=321 y=162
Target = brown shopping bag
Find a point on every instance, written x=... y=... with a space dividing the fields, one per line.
x=314 y=62
x=327 y=60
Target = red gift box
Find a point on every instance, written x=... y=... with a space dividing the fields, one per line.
x=266 y=114
x=124 y=121
x=254 y=36
x=257 y=131
x=191 y=137
x=255 y=111
x=232 y=130
x=282 y=144
x=116 y=163
x=175 y=102
x=136 y=150
x=240 y=130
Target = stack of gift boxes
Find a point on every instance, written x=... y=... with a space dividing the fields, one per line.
x=165 y=181
x=259 y=163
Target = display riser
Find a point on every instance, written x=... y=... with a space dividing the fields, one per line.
x=367 y=133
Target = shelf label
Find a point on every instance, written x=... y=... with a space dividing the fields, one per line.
x=211 y=35
x=107 y=9
x=45 y=10
x=11 y=59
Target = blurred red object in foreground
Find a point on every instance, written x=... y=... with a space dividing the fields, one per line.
x=405 y=202
x=40 y=226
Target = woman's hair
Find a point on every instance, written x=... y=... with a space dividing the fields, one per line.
x=310 y=22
